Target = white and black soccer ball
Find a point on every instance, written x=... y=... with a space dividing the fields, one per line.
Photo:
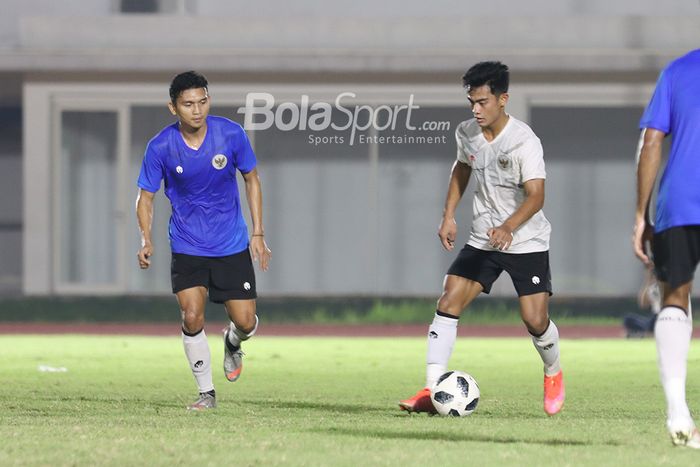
x=456 y=394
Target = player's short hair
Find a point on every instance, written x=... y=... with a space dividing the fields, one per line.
x=494 y=74
x=187 y=80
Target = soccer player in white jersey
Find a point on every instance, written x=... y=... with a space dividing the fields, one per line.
x=509 y=231
x=673 y=109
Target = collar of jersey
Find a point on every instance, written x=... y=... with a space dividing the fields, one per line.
x=481 y=133
x=184 y=144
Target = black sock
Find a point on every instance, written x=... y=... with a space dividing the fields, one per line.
x=230 y=346
x=191 y=334
x=445 y=315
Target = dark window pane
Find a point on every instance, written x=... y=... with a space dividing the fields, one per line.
x=139 y=6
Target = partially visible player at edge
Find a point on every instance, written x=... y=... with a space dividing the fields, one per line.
x=675 y=236
x=509 y=231
x=198 y=157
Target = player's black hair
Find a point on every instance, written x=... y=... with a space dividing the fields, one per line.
x=185 y=81
x=495 y=74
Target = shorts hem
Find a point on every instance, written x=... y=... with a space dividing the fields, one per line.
x=233 y=295
x=675 y=283
x=534 y=292
x=485 y=289
x=189 y=286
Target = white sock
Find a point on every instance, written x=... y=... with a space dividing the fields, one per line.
x=442 y=335
x=547 y=346
x=199 y=358
x=236 y=336
x=673 y=331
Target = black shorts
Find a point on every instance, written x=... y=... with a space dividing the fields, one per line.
x=227 y=277
x=528 y=271
x=676 y=254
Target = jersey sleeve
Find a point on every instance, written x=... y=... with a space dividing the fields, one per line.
x=658 y=113
x=461 y=151
x=532 y=161
x=243 y=154
x=151 y=174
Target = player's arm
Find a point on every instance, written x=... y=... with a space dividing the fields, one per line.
x=258 y=247
x=502 y=236
x=459 y=179
x=648 y=163
x=144 y=217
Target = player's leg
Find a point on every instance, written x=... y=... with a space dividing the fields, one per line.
x=233 y=284
x=457 y=293
x=532 y=280
x=192 y=304
x=190 y=276
x=244 y=323
x=676 y=255
x=470 y=274
x=545 y=338
x=544 y=333
x=673 y=332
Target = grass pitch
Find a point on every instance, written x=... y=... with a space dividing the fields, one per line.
x=328 y=401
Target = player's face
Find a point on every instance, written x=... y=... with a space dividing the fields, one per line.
x=486 y=106
x=191 y=107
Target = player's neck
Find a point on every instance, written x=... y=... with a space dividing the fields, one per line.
x=492 y=131
x=193 y=137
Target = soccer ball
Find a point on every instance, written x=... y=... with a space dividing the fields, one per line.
x=456 y=393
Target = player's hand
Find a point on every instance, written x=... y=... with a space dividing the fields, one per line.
x=500 y=237
x=448 y=232
x=144 y=255
x=642 y=237
x=260 y=252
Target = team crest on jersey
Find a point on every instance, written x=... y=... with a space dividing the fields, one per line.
x=219 y=161
x=503 y=162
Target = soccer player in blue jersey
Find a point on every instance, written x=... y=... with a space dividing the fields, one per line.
x=675 y=235
x=198 y=157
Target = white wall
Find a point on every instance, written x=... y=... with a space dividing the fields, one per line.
x=339 y=223
x=14 y=10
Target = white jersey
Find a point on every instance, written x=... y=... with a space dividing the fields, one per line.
x=500 y=168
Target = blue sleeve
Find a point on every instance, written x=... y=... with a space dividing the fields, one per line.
x=151 y=170
x=243 y=155
x=658 y=113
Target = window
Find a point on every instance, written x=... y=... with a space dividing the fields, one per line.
x=155 y=6
x=139 y=6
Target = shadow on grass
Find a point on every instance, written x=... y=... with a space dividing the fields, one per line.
x=453 y=437
x=308 y=405
x=389 y=410
x=49 y=404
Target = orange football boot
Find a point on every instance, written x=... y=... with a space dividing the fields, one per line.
x=419 y=403
x=554 y=393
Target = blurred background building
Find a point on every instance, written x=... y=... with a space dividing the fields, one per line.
x=84 y=83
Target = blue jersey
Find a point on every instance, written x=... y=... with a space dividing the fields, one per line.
x=675 y=109
x=201 y=186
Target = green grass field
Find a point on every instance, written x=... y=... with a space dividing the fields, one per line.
x=328 y=401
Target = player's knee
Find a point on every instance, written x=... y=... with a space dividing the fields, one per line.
x=536 y=325
x=448 y=304
x=247 y=324
x=192 y=319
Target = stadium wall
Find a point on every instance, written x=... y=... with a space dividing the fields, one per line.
x=343 y=221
